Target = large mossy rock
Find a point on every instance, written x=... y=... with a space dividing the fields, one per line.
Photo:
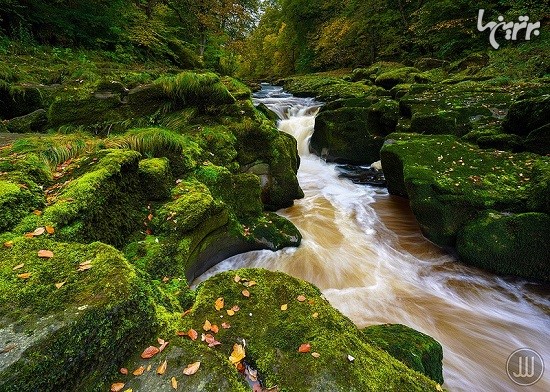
x=68 y=327
x=328 y=88
x=451 y=183
x=397 y=76
x=16 y=202
x=16 y=101
x=32 y=122
x=353 y=130
x=415 y=349
x=511 y=244
x=272 y=338
x=527 y=114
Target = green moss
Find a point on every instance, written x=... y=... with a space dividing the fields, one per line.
x=415 y=349
x=273 y=337
x=508 y=244
x=327 y=88
x=156 y=177
x=96 y=318
x=218 y=144
x=397 y=76
x=15 y=203
x=526 y=115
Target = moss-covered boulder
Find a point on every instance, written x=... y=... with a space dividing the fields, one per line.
x=156 y=178
x=16 y=101
x=527 y=114
x=415 y=349
x=510 y=244
x=328 y=88
x=32 y=122
x=16 y=202
x=68 y=318
x=272 y=315
x=538 y=140
x=352 y=130
x=392 y=78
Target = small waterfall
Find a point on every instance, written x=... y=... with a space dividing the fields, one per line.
x=363 y=249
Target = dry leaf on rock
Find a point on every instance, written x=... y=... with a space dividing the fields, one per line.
x=219 y=304
x=304 y=348
x=123 y=371
x=210 y=339
x=192 y=368
x=174 y=382
x=59 y=285
x=46 y=254
x=149 y=352
x=162 y=368
x=238 y=354
x=139 y=371
x=207 y=326
x=117 y=386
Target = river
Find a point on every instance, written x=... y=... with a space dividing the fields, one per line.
x=363 y=249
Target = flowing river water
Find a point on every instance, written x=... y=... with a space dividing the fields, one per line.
x=363 y=249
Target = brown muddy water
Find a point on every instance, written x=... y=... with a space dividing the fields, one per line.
x=363 y=248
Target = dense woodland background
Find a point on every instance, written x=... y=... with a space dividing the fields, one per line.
x=271 y=38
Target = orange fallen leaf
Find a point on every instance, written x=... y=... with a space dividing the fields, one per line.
x=246 y=293
x=207 y=326
x=163 y=346
x=304 y=348
x=160 y=341
x=166 y=279
x=192 y=368
x=123 y=371
x=29 y=235
x=230 y=312
x=193 y=334
x=150 y=217
x=18 y=266
x=219 y=304
x=139 y=371
x=238 y=354
x=8 y=244
x=162 y=368
x=174 y=382
x=59 y=285
x=46 y=254
x=301 y=298
x=251 y=283
x=84 y=266
x=25 y=275
x=226 y=325
x=186 y=313
x=117 y=386
x=39 y=231
x=149 y=352
x=215 y=328
x=284 y=307
x=315 y=355
x=37 y=212
x=237 y=279
x=50 y=230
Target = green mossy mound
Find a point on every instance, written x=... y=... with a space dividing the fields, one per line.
x=510 y=244
x=397 y=76
x=33 y=122
x=156 y=178
x=415 y=349
x=16 y=202
x=326 y=87
x=272 y=338
x=74 y=335
x=527 y=114
x=451 y=183
x=16 y=101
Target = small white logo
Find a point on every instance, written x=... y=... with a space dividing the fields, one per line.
x=525 y=367
x=511 y=28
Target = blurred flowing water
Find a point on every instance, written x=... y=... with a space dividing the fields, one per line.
x=363 y=248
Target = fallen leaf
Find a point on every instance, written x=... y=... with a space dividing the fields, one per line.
x=162 y=368
x=350 y=358
x=84 y=266
x=29 y=235
x=174 y=382
x=284 y=307
x=8 y=348
x=246 y=293
x=129 y=390
x=191 y=368
x=237 y=278
x=235 y=308
x=210 y=339
x=304 y=348
x=230 y=312
x=301 y=298
x=186 y=313
x=166 y=279
x=149 y=368
x=252 y=283
x=215 y=328
x=46 y=254
x=163 y=346
x=59 y=285
x=219 y=304
x=160 y=341
x=149 y=352
x=18 y=266
x=193 y=334
x=439 y=388
x=117 y=386
x=315 y=355
x=207 y=326
x=123 y=371
x=315 y=315
x=39 y=231
x=139 y=371
x=50 y=230
x=25 y=275
x=37 y=212
x=238 y=354
x=150 y=217
x=8 y=244
x=226 y=325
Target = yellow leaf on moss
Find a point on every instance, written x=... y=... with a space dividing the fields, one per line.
x=25 y=275
x=139 y=371
x=207 y=326
x=192 y=368
x=219 y=304
x=59 y=285
x=18 y=266
x=46 y=254
x=50 y=230
x=174 y=382
x=238 y=354
x=284 y=307
x=230 y=312
x=246 y=293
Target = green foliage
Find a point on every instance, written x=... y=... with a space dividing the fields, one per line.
x=55 y=149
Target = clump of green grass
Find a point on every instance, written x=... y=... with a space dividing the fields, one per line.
x=150 y=141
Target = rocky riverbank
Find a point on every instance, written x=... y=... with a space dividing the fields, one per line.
x=468 y=149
